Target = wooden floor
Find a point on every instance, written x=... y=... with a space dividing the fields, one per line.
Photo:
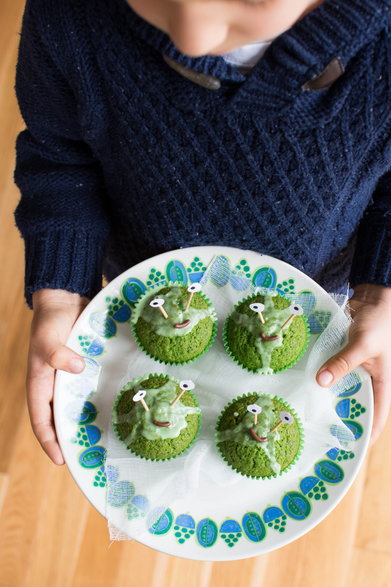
x=49 y=534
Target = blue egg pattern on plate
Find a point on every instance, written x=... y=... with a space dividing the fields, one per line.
x=253 y=527
x=207 y=532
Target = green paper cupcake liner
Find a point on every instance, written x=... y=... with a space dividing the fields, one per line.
x=257 y=371
x=132 y=384
x=179 y=363
x=274 y=398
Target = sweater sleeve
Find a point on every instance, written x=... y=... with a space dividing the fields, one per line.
x=372 y=258
x=61 y=214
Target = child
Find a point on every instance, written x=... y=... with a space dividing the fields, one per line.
x=142 y=136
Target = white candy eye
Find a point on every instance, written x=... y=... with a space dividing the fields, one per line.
x=186 y=385
x=254 y=409
x=194 y=288
x=296 y=310
x=286 y=417
x=258 y=307
x=139 y=395
x=157 y=303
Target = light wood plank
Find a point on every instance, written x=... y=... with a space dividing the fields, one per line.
x=15 y=318
x=322 y=556
x=179 y=572
x=4 y=484
x=370 y=568
x=116 y=563
x=59 y=533
x=298 y=564
x=97 y=554
x=233 y=574
x=12 y=375
x=43 y=518
x=373 y=532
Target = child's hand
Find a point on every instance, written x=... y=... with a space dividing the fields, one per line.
x=55 y=312
x=370 y=346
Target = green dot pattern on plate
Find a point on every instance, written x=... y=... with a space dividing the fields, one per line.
x=231 y=539
x=155 y=276
x=81 y=437
x=182 y=534
x=287 y=286
x=196 y=266
x=100 y=479
x=319 y=492
x=134 y=512
x=345 y=455
x=244 y=267
x=278 y=524
x=356 y=409
x=113 y=305
x=85 y=341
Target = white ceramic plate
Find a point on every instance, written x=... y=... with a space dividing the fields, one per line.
x=220 y=524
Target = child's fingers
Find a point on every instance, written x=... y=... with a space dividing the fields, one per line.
x=354 y=354
x=341 y=364
x=40 y=382
x=47 y=346
x=55 y=312
x=46 y=357
x=382 y=398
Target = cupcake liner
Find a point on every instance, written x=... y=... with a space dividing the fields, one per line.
x=230 y=353
x=129 y=386
x=286 y=405
x=213 y=317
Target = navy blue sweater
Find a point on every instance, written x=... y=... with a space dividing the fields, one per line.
x=124 y=158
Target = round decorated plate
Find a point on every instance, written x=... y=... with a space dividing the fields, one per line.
x=216 y=520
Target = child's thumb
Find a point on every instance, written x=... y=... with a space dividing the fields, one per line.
x=61 y=357
x=340 y=364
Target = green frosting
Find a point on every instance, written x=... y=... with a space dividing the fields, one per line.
x=174 y=305
x=248 y=456
x=241 y=432
x=158 y=401
x=161 y=339
x=243 y=329
x=135 y=426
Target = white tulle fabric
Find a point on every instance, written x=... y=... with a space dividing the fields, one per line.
x=217 y=381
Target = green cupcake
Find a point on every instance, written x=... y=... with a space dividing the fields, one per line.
x=174 y=324
x=266 y=333
x=259 y=436
x=148 y=420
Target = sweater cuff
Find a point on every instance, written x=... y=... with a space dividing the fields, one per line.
x=372 y=257
x=70 y=260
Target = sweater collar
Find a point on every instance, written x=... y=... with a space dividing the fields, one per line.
x=333 y=29
x=207 y=65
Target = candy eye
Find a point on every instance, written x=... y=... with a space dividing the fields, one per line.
x=286 y=417
x=194 y=288
x=157 y=303
x=296 y=310
x=258 y=307
x=254 y=409
x=186 y=385
x=139 y=395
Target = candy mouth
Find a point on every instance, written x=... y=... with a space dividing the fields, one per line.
x=183 y=325
x=161 y=424
x=268 y=338
x=255 y=436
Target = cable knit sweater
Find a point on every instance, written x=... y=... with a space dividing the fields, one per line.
x=124 y=158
